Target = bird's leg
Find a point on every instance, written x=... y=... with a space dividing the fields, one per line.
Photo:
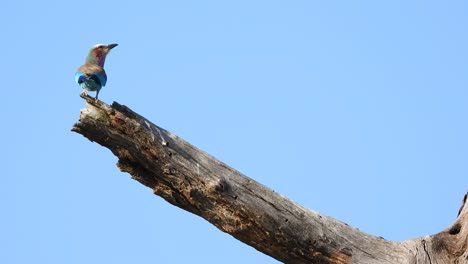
x=97 y=93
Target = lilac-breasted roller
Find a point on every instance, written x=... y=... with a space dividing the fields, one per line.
x=91 y=76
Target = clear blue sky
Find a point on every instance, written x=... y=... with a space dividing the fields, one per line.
x=355 y=109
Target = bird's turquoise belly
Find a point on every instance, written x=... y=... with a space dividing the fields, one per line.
x=90 y=85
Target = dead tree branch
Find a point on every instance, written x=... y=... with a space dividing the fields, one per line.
x=254 y=214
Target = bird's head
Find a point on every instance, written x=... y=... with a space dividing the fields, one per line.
x=97 y=54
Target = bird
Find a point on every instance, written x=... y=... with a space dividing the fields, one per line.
x=91 y=76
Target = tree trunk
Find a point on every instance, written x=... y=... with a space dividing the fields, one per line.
x=254 y=214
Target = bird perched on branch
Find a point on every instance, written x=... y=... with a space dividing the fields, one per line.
x=91 y=76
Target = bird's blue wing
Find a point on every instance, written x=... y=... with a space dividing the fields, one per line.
x=99 y=78
x=79 y=77
x=102 y=78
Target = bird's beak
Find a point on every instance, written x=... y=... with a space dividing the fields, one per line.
x=111 y=46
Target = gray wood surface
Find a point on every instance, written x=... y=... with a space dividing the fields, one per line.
x=251 y=212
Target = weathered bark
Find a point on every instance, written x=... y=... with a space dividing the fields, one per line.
x=254 y=214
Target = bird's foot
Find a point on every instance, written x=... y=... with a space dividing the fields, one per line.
x=84 y=93
x=97 y=94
